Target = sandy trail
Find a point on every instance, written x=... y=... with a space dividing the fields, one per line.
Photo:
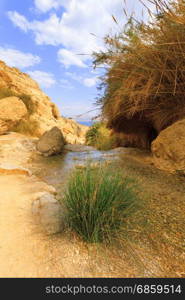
x=26 y=251
x=21 y=252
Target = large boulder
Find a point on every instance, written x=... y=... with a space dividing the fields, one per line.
x=12 y=110
x=48 y=212
x=52 y=142
x=44 y=114
x=169 y=148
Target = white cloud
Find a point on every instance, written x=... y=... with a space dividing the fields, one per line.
x=68 y=58
x=74 y=76
x=19 y=20
x=46 y=5
x=66 y=84
x=72 y=30
x=15 y=58
x=90 y=82
x=45 y=80
x=86 y=81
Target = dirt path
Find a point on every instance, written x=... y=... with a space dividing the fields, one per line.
x=26 y=251
x=22 y=248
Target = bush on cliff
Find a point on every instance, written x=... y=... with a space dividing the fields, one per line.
x=143 y=88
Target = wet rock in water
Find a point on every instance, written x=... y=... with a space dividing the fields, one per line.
x=48 y=212
x=78 y=148
x=51 y=143
x=169 y=148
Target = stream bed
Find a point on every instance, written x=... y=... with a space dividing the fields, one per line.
x=55 y=170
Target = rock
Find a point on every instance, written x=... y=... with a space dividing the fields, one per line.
x=45 y=114
x=12 y=110
x=48 y=212
x=12 y=144
x=78 y=148
x=9 y=169
x=169 y=148
x=51 y=143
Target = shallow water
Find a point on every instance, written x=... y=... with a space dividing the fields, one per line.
x=55 y=169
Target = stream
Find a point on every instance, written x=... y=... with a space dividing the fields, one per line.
x=55 y=170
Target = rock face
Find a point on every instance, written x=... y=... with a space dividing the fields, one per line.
x=11 y=145
x=169 y=148
x=9 y=169
x=48 y=212
x=12 y=110
x=45 y=113
x=52 y=142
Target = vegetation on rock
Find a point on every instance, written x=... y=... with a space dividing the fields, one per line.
x=143 y=86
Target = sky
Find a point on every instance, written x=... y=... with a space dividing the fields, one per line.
x=53 y=41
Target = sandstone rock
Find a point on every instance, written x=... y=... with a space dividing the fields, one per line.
x=45 y=114
x=9 y=169
x=12 y=110
x=52 y=142
x=78 y=148
x=16 y=149
x=169 y=148
x=48 y=212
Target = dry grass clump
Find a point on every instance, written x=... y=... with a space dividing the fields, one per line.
x=144 y=88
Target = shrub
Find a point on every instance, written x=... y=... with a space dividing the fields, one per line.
x=143 y=88
x=92 y=134
x=97 y=201
x=100 y=137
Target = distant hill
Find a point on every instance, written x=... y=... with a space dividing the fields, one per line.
x=86 y=123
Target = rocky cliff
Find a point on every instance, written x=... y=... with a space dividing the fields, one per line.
x=42 y=113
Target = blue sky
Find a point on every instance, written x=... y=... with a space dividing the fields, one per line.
x=45 y=39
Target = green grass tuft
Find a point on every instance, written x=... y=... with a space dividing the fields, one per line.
x=97 y=201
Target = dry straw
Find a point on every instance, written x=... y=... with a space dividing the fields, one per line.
x=144 y=84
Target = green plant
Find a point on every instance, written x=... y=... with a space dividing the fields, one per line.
x=97 y=201
x=92 y=134
x=100 y=137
